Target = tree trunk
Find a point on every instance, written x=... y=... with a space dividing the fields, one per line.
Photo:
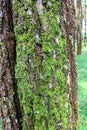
x=67 y=21
x=85 y=39
x=46 y=80
x=79 y=26
x=9 y=112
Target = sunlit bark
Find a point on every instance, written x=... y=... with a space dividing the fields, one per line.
x=68 y=28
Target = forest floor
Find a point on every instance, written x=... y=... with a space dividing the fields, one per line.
x=82 y=87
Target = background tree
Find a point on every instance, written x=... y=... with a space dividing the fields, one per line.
x=79 y=26
x=85 y=22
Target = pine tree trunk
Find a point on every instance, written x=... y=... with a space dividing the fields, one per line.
x=46 y=79
x=67 y=21
x=79 y=26
x=85 y=39
x=8 y=89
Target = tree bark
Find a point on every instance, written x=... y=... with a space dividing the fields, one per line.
x=46 y=80
x=79 y=26
x=9 y=103
x=67 y=22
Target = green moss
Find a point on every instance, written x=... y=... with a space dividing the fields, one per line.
x=1 y=44
x=47 y=106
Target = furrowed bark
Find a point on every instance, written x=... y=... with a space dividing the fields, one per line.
x=9 y=103
x=68 y=29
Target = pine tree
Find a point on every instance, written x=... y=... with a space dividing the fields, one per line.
x=9 y=104
x=45 y=68
x=79 y=26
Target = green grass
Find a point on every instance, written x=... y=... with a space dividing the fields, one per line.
x=82 y=88
x=0 y=124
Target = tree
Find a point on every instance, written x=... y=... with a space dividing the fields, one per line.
x=45 y=70
x=70 y=36
x=9 y=104
x=68 y=28
x=79 y=26
x=85 y=22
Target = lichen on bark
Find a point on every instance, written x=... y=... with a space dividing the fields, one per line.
x=43 y=66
